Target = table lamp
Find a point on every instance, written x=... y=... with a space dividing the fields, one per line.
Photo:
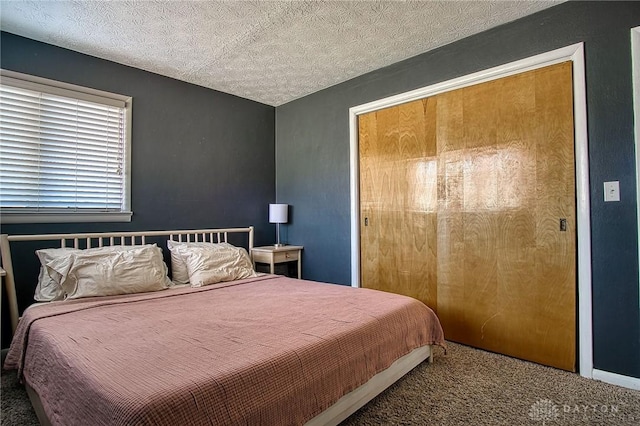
x=278 y=213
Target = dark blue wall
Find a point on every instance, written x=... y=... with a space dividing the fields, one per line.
x=200 y=158
x=312 y=146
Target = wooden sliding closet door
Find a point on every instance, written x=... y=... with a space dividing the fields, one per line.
x=468 y=204
x=398 y=200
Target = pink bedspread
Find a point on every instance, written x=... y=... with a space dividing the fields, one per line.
x=261 y=351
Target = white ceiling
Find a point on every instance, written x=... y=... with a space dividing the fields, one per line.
x=268 y=51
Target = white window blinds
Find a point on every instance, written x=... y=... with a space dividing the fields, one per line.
x=61 y=151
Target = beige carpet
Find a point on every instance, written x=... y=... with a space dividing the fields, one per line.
x=473 y=387
x=465 y=387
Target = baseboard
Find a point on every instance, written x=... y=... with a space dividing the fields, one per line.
x=617 y=379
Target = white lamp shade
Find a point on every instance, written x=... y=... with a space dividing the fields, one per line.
x=278 y=213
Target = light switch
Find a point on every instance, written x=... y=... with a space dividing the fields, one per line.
x=612 y=191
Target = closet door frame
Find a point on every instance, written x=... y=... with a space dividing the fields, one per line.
x=635 y=63
x=574 y=53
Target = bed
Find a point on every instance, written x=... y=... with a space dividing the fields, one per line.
x=251 y=349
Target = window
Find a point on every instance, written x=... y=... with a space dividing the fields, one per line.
x=64 y=152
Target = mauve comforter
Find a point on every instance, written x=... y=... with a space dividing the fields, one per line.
x=262 y=351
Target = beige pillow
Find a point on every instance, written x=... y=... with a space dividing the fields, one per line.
x=132 y=269
x=48 y=289
x=179 y=272
x=213 y=263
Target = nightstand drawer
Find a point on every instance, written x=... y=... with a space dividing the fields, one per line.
x=262 y=257
x=285 y=256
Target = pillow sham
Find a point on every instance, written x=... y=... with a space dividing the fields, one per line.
x=179 y=272
x=209 y=263
x=47 y=289
x=130 y=269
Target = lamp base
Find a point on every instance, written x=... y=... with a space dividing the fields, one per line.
x=279 y=245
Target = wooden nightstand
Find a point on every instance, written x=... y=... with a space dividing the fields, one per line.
x=273 y=255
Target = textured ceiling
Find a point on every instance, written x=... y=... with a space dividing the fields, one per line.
x=267 y=51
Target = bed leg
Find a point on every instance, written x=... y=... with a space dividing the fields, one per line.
x=431 y=355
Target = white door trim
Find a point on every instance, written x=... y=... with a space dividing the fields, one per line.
x=635 y=63
x=573 y=53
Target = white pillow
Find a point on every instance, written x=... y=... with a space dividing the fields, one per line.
x=131 y=269
x=48 y=289
x=179 y=272
x=213 y=263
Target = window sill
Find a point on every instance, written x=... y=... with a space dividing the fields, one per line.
x=8 y=218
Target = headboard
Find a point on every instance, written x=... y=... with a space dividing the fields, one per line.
x=102 y=239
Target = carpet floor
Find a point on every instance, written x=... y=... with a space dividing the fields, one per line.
x=464 y=387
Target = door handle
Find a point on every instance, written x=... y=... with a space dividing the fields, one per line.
x=563 y=224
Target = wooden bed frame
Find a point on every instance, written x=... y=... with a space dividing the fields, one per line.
x=339 y=411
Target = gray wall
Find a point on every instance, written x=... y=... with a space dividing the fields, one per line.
x=312 y=154
x=200 y=158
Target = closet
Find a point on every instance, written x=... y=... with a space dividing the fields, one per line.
x=467 y=203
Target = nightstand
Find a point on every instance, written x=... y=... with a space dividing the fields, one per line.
x=273 y=255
